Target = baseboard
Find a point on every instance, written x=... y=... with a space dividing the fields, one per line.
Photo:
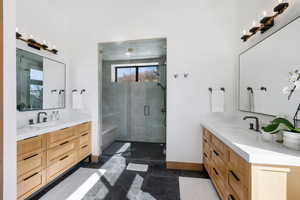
x=95 y=159
x=185 y=166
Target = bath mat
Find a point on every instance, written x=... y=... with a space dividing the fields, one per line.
x=197 y=189
x=137 y=167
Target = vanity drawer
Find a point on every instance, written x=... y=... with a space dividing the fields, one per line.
x=231 y=195
x=29 y=183
x=234 y=182
x=84 y=138
x=61 y=164
x=239 y=168
x=84 y=151
x=219 y=148
x=27 y=163
x=206 y=162
x=218 y=182
x=61 y=136
x=63 y=148
x=27 y=146
x=85 y=127
x=206 y=148
x=219 y=164
x=206 y=135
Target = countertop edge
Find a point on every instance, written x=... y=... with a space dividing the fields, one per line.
x=51 y=129
x=256 y=160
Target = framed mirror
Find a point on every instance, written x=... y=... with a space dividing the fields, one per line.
x=264 y=72
x=41 y=82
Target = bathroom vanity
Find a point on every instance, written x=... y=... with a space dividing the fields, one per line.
x=244 y=167
x=45 y=153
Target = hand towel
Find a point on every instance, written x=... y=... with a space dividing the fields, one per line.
x=77 y=100
x=259 y=101
x=61 y=99
x=217 y=101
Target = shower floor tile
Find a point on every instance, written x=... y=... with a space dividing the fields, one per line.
x=136 y=151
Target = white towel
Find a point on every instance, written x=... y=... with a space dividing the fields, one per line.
x=61 y=99
x=251 y=101
x=259 y=101
x=217 y=101
x=77 y=101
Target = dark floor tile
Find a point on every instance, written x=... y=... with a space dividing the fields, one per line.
x=116 y=193
x=161 y=170
x=137 y=151
x=194 y=174
x=162 y=187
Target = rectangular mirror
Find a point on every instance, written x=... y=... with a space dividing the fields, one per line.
x=41 y=82
x=264 y=72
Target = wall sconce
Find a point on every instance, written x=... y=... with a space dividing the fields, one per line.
x=31 y=42
x=266 y=22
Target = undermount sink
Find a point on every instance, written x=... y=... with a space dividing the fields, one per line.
x=44 y=125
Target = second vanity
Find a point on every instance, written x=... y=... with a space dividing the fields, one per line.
x=244 y=167
x=45 y=153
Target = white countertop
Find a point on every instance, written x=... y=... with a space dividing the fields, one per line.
x=234 y=132
x=27 y=131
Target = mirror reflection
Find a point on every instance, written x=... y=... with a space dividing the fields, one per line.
x=40 y=82
x=264 y=72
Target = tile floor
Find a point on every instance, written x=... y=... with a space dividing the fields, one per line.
x=110 y=180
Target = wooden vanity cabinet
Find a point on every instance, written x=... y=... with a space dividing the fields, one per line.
x=236 y=179
x=43 y=158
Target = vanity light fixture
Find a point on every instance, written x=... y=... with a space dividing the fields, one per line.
x=31 y=42
x=266 y=22
x=18 y=35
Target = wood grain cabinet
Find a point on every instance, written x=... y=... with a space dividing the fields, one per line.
x=43 y=158
x=236 y=179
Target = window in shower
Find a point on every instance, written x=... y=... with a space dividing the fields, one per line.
x=137 y=74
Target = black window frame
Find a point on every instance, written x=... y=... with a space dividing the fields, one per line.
x=136 y=70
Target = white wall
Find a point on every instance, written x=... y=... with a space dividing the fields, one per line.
x=9 y=79
x=200 y=36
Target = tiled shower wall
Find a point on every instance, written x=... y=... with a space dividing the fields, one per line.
x=123 y=106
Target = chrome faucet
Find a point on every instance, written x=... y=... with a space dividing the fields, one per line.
x=39 y=116
x=256 y=122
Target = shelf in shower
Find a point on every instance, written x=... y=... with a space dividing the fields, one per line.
x=110 y=114
x=107 y=129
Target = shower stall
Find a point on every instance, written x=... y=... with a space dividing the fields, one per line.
x=133 y=107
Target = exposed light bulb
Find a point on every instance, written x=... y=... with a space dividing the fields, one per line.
x=54 y=47
x=253 y=23
x=17 y=30
x=44 y=42
x=265 y=13
x=244 y=32
x=31 y=36
x=280 y=1
x=127 y=53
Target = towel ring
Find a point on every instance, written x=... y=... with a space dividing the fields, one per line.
x=263 y=88
x=52 y=91
x=82 y=91
x=222 y=89
x=74 y=90
x=250 y=89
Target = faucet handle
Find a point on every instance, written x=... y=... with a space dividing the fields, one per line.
x=30 y=121
x=251 y=126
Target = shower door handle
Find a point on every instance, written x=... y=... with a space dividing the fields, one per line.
x=146 y=110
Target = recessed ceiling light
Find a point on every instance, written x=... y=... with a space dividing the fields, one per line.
x=129 y=51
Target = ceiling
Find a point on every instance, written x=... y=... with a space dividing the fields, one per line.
x=139 y=49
